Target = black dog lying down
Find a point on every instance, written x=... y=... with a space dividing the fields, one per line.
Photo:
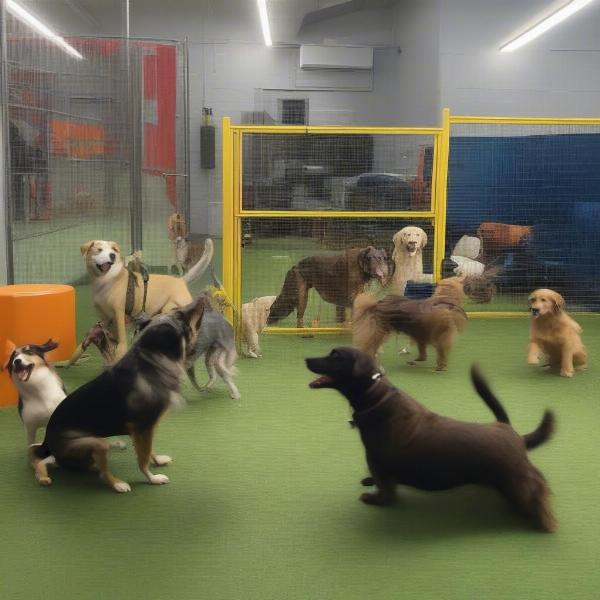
x=407 y=444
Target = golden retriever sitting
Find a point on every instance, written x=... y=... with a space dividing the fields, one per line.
x=112 y=283
x=555 y=334
x=254 y=319
x=408 y=258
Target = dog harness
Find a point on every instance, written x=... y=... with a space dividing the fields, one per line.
x=132 y=284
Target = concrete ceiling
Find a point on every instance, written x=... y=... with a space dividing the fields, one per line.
x=286 y=17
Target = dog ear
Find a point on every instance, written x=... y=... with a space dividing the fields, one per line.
x=47 y=346
x=7 y=354
x=389 y=260
x=85 y=248
x=424 y=238
x=559 y=302
x=194 y=312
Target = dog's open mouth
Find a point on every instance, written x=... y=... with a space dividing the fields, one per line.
x=23 y=373
x=380 y=276
x=104 y=267
x=411 y=247
x=319 y=382
x=535 y=313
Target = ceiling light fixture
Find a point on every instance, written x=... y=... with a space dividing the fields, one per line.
x=264 y=21
x=554 y=19
x=26 y=17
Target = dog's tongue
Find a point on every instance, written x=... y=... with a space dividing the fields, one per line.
x=104 y=267
x=23 y=374
x=379 y=274
x=320 y=381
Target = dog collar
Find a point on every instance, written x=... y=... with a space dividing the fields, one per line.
x=376 y=377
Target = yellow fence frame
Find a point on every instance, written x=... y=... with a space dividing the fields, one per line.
x=233 y=211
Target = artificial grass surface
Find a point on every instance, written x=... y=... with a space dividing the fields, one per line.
x=263 y=496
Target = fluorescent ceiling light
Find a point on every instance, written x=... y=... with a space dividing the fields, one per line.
x=554 y=19
x=264 y=22
x=20 y=13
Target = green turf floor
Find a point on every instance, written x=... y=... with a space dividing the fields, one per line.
x=263 y=500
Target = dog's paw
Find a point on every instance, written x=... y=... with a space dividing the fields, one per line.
x=160 y=460
x=235 y=396
x=564 y=373
x=441 y=369
x=158 y=479
x=375 y=499
x=252 y=354
x=121 y=486
x=118 y=444
x=367 y=481
x=533 y=361
x=44 y=481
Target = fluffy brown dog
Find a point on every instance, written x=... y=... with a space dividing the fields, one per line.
x=555 y=333
x=336 y=278
x=435 y=321
x=407 y=444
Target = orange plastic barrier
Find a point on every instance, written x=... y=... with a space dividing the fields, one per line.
x=30 y=314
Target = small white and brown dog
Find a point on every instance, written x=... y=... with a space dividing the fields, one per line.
x=40 y=388
x=254 y=319
x=408 y=258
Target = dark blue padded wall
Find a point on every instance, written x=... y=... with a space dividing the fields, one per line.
x=551 y=182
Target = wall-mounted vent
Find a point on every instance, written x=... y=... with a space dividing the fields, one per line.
x=347 y=58
x=293 y=111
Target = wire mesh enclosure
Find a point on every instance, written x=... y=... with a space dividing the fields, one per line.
x=324 y=197
x=530 y=191
x=98 y=149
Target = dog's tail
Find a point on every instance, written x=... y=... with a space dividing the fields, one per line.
x=287 y=300
x=368 y=333
x=542 y=433
x=198 y=269
x=483 y=389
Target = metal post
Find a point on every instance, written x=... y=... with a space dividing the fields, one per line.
x=187 y=211
x=134 y=92
x=6 y=250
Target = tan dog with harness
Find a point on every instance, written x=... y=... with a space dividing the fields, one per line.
x=119 y=292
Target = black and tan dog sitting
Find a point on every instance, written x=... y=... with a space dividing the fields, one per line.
x=128 y=398
x=337 y=278
x=407 y=444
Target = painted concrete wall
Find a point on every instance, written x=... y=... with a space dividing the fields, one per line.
x=555 y=75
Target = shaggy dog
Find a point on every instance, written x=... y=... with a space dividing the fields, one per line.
x=254 y=319
x=435 y=321
x=555 y=333
x=408 y=258
x=407 y=444
x=336 y=278
x=112 y=284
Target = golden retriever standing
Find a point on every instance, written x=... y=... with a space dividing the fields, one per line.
x=555 y=334
x=408 y=258
x=110 y=282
